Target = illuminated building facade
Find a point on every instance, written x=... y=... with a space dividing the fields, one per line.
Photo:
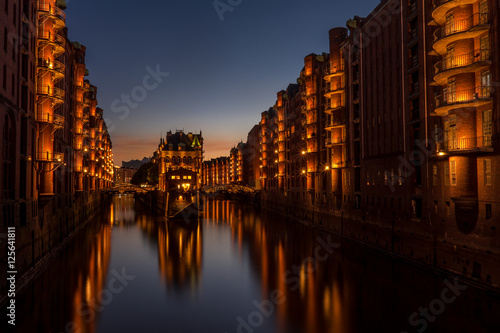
x=56 y=151
x=398 y=129
x=179 y=158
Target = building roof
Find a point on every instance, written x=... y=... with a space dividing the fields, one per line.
x=188 y=142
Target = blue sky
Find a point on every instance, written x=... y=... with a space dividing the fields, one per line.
x=221 y=74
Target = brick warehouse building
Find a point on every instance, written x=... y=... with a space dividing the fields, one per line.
x=392 y=137
x=56 y=149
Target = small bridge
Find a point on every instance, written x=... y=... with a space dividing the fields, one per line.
x=127 y=188
x=228 y=189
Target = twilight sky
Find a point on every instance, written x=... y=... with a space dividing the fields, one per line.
x=221 y=73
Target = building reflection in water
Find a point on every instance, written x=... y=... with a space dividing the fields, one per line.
x=179 y=254
x=351 y=289
x=179 y=249
x=66 y=295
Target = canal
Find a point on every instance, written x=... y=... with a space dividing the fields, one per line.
x=237 y=270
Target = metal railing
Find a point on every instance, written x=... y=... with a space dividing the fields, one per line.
x=461 y=25
x=334 y=141
x=335 y=87
x=465 y=144
x=49 y=91
x=462 y=60
x=48 y=156
x=51 y=65
x=331 y=69
x=45 y=6
x=52 y=38
x=463 y=96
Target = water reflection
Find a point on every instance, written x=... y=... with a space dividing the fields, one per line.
x=237 y=270
x=349 y=290
x=66 y=295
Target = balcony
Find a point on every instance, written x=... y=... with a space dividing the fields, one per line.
x=333 y=71
x=339 y=165
x=475 y=97
x=335 y=141
x=55 y=13
x=334 y=88
x=464 y=63
x=335 y=123
x=461 y=29
x=441 y=7
x=331 y=110
x=57 y=42
x=48 y=156
x=55 y=67
x=465 y=145
x=82 y=101
x=47 y=118
x=56 y=94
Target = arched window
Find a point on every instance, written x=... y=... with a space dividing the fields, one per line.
x=167 y=159
x=190 y=160
x=184 y=160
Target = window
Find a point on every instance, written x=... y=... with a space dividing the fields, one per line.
x=4 y=77
x=6 y=6
x=487 y=172
x=386 y=176
x=485 y=90
x=446 y=174
x=488 y=212
x=435 y=175
x=453 y=173
x=173 y=177
x=483 y=12
x=487 y=128
x=5 y=39
x=400 y=177
x=448 y=210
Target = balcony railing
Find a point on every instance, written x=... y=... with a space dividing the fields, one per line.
x=333 y=70
x=48 y=156
x=45 y=117
x=335 y=141
x=52 y=65
x=335 y=123
x=462 y=60
x=52 y=38
x=465 y=144
x=335 y=87
x=461 y=25
x=54 y=11
x=463 y=96
x=51 y=92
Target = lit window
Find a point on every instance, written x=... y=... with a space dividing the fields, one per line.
x=435 y=175
x=173 y=177
x=453 y=173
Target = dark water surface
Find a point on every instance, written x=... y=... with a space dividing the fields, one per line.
x=237 y=270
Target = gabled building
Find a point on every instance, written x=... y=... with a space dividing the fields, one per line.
x=179 y=158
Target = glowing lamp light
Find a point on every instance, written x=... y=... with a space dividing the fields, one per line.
x=441 y=153
x=327 y=168
x=303 y=152
x=303 y=171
